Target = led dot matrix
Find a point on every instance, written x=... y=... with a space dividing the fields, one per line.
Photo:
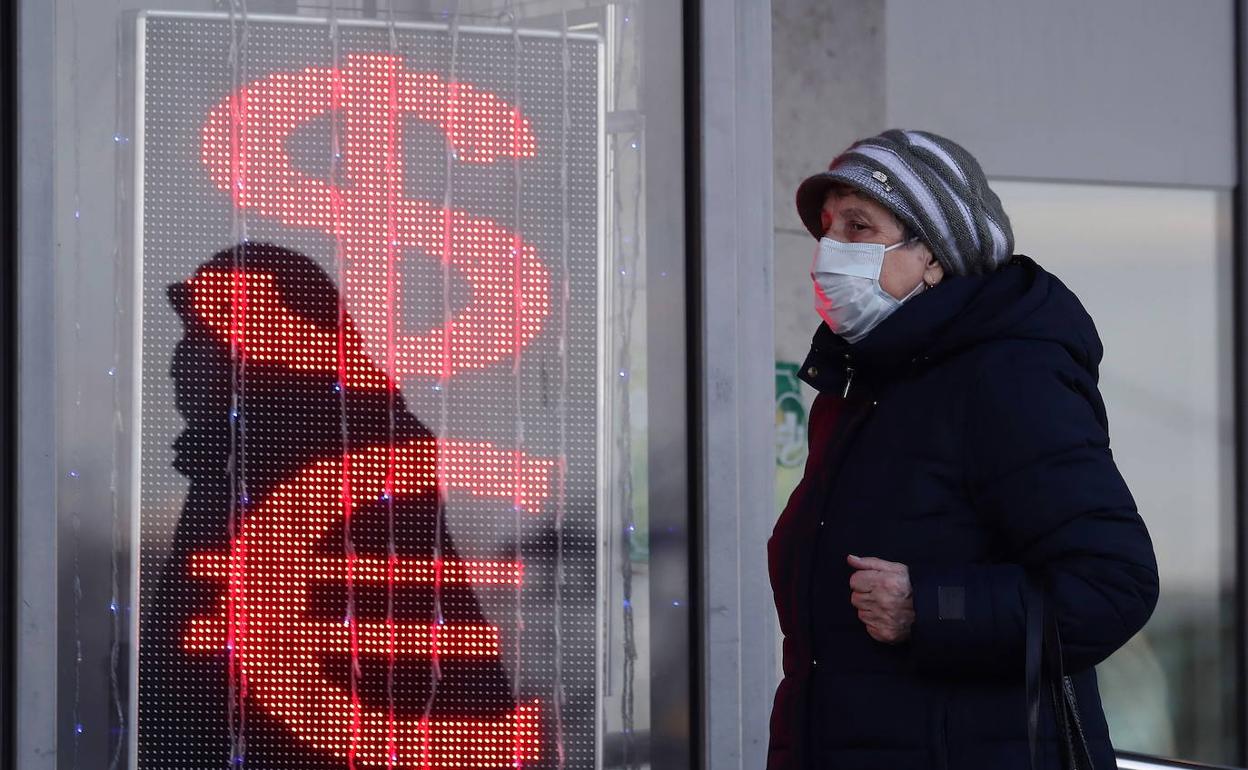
x=336 y=408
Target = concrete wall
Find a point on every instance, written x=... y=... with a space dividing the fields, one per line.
x=828 y=89
x=1135 y=91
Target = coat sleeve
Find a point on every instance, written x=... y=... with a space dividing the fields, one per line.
x=1042 y=478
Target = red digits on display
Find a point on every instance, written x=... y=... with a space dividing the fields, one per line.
x=274 y=563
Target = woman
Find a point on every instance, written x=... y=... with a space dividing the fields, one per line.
x=959 y=467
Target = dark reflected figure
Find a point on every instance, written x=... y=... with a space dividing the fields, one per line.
x=286 y=421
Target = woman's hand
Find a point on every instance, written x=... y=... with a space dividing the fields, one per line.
x=881 y=592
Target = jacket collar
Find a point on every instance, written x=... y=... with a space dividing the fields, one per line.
x=903 y=343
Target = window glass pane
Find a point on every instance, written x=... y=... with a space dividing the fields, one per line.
x=363 y=313
x=1153 y=267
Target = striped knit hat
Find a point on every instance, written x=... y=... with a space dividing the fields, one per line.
x=933 y=186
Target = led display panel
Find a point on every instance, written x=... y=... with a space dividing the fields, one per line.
x=368 y=264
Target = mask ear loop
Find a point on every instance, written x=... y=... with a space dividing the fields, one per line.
x=903 y=244
x=911 y=240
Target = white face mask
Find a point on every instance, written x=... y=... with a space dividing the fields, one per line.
x=848 y=294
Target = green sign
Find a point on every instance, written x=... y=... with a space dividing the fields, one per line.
x=790 y=417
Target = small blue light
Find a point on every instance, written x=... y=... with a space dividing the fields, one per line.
x=337 y=387
x=112 y=606
x=627 y=604
x=632 y=527
x=437 y=388
x=623 y=271
x=77 y=214
x=73 y=474
x=233 y=415
x=78 y=728
x=119 y=139
x=385 y=497
x=112 y=372
x=664 y=273
x=623 y=373
x=633 y=145
x=246 y=500
x=675 y=603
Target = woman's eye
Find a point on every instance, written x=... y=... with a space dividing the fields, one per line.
x=858 y=227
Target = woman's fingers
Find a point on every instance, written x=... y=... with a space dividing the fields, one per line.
x=871 y=562
x=863 y=581
x=881 y=592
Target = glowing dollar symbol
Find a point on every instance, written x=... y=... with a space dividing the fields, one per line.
x=244 y=148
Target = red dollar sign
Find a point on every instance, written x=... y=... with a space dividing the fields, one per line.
x=244 y=149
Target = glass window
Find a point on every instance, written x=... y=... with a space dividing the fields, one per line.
x=1153 y=267
x=363 y=314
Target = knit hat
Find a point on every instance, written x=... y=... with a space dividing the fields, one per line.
x=933 y=185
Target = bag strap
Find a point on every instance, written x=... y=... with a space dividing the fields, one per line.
x=1079 y=755
x=1033 y=600
x=1043 y=640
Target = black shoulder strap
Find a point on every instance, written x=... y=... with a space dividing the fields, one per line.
x=1034 y=603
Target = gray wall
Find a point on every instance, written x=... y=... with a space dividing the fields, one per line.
x=1113 y=90
x=828 y=89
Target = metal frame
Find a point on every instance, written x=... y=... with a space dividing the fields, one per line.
x=605 y=297
x=8 y=353
x=35 y=520
x=1239 y=342
x=691 y=56
x=1131 y=761
x=734 y=381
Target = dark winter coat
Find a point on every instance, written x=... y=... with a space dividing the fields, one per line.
x=964 y=437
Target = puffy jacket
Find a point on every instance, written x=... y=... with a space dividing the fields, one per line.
x=964 y=437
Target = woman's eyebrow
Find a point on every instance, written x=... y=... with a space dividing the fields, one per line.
x=855 y=212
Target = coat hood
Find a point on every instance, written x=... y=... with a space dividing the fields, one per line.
x=1019 y=300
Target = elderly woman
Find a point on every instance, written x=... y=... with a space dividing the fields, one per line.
x=960 y=494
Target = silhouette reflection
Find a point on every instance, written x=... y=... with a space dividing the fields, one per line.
x=283 y=422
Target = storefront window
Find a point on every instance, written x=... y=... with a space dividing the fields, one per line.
x=357 y=358
x=1153 y=268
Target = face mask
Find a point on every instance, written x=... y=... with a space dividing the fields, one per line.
x=848 y=295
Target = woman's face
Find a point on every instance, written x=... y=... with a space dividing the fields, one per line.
x=851 y=217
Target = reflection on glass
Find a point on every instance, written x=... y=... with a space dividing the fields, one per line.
x=378 y=475
x=1152 y=266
